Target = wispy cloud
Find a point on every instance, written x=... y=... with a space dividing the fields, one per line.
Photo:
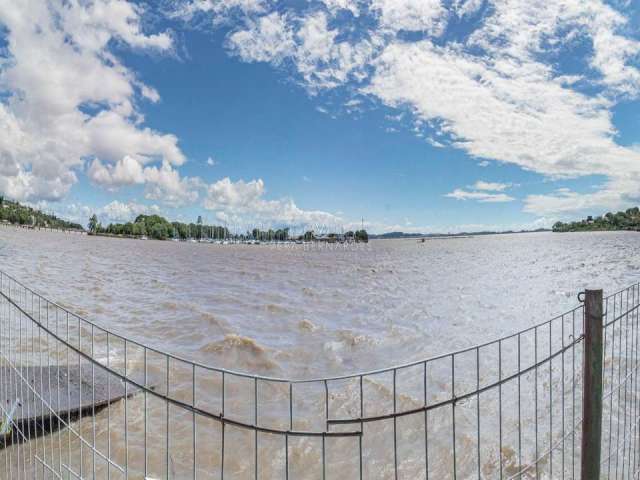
x=482 y=197
x=491 y=186
x=483 y=192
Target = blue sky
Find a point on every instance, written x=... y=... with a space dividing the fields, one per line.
x=416 y=115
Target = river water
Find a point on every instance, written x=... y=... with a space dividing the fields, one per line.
x=296 y=312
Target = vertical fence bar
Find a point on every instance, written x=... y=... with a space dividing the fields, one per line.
x=592 y=386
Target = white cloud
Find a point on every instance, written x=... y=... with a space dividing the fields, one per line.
x=308 y=42
x=484 y=163
x=221 y=10
x=238 y=196
x=162 y=183
x=56 y=117
x=565 y=201
x=482 y=197
x=500 y=111
x=122 y=212
x=114 y=211
x=212 y=162
x=269 y=39
x=335 y=6
x=514 y=114
x=496 y=94
x=245 y=201
x=166 y=185
x=491 y=186
x=523 y=29
x=464 y=8
x=126 y=171
x=322 y=60
x=483 y=192
x=93 y=25
x=412 y=15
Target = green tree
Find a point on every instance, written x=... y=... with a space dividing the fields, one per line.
x=93 y=223
x=159 y=231
x=362 y=236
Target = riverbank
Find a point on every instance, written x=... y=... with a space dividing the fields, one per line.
x=628 y=220
x=40 y=228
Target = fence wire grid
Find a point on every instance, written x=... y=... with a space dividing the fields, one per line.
x=81 y=402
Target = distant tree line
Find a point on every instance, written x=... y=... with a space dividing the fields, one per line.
x=361 y=236
x=159 y=228
x=14 y=212
x=280 y=235
x=627 y=220
x=155 y=226
x=350 y=236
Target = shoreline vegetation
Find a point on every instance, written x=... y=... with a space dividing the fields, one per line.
x=159 y=228
x=628 y=220
x=14 y=213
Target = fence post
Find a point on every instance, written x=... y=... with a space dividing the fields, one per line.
x=592 y=386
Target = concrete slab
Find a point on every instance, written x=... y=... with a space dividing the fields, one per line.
x=67 y=392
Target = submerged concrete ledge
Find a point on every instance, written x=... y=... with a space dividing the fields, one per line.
x=48 y=397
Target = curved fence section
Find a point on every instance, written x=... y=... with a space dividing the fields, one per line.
x=79 y=401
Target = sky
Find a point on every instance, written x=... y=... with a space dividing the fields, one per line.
x=411 y=115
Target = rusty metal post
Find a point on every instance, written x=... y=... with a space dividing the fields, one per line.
x=592 y=386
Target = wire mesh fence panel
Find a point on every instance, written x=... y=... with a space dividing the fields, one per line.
x=80 y=401
x=620 y=396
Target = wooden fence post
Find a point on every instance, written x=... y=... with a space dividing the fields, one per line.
x=592 y=386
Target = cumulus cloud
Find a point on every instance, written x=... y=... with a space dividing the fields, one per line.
x=162 y=183
x=246 y=200
x=126 y=171
x=122 y=212
x=55 y=117
x=166 y=185
x=114 y=211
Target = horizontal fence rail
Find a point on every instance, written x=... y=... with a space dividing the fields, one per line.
x=81 y=402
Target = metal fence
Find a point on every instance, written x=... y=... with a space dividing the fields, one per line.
x=81 y=402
